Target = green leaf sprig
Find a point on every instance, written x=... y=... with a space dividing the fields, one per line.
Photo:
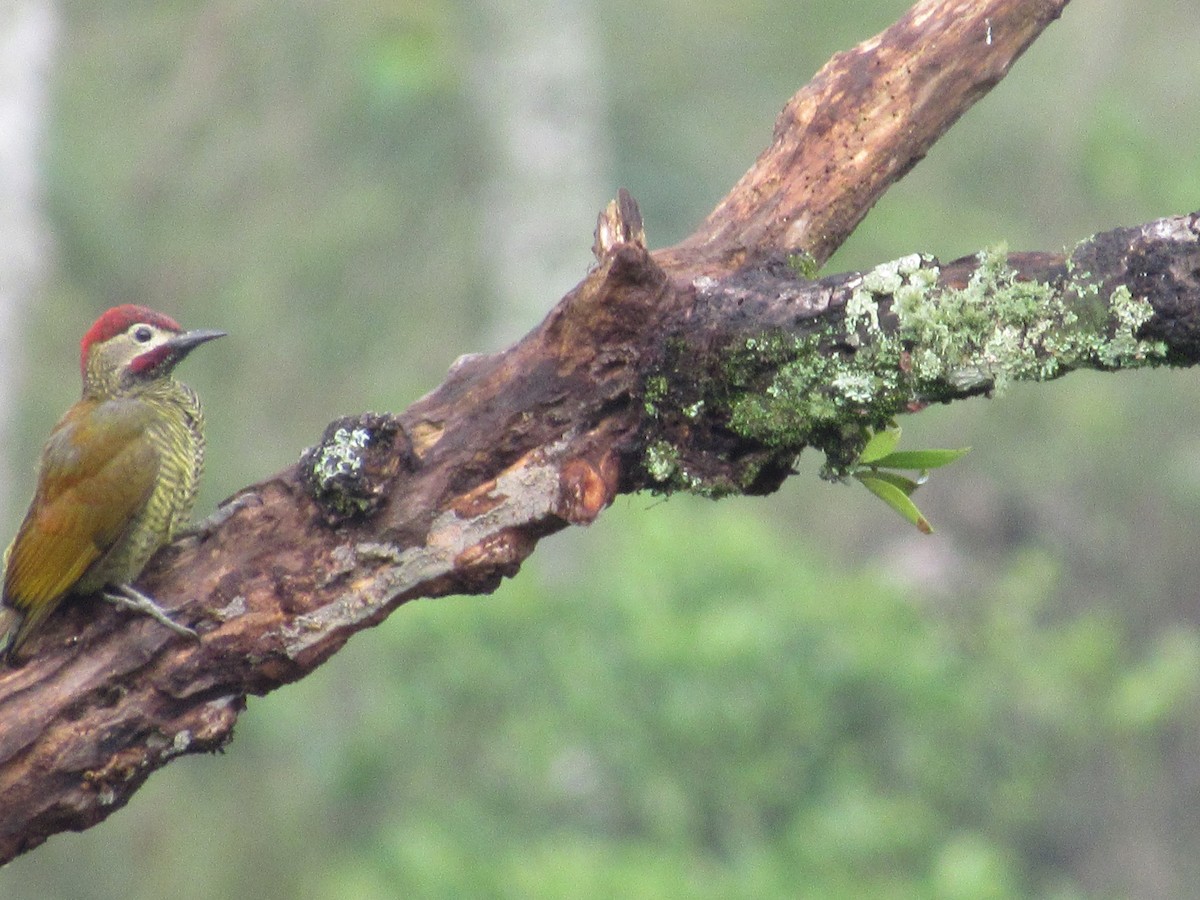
x=876 y=467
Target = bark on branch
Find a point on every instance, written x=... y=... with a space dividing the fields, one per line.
x=707 y=366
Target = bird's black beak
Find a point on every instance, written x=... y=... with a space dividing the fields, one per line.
x=182 y=344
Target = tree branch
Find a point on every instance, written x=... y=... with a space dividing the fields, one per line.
x=865 y=119
x=708 y=366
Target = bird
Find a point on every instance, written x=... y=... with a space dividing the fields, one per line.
x=117 y=479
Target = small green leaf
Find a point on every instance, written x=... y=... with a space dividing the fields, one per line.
x=897 y=500
x=906 y=484
x=880 y=445
x=919 y=459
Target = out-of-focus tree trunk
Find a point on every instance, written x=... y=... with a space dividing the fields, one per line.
x=538 y=86
x=27 y=38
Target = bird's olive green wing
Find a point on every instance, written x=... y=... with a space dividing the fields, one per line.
x=98 y=470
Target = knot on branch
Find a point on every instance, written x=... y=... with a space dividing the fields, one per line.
x=1163 y=266
x=351 y=471
x=600 y=324
x=587 y=486
x=619 y=223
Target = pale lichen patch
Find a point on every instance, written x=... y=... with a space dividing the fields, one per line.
x=979 y=338
x=907 y=340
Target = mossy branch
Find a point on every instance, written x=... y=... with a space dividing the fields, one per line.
x=766 y=364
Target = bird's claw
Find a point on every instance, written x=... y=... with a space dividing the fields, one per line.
x=206 y=526
x=131 y=598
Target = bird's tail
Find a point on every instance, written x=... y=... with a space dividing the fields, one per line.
x=10 y=629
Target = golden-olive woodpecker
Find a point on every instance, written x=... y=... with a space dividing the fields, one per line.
x=118 y=476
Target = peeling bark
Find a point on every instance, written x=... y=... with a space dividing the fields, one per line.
x=651 y=353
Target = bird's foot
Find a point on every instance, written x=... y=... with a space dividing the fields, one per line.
x=202 y=529
x=131 y=598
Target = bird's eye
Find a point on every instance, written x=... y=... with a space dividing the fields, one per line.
x=142 y=333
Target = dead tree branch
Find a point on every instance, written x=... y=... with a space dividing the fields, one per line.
x=654 y=372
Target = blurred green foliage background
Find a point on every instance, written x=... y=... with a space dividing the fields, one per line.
x=796 y=696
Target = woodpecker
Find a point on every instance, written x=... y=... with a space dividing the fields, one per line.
x=118 y=476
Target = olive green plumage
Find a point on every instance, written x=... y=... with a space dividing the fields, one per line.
x=171 y=423
x=118 y=476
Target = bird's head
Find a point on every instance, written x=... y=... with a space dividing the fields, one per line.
x=131 y=345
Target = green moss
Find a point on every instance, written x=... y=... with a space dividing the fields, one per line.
x=906 y=340
x=803 y=265
x=661 y=461
x=998 y=330
x=979 y=338
x=665 y=467
x=1123 y=348
x=655 y=392
x=820 y=398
